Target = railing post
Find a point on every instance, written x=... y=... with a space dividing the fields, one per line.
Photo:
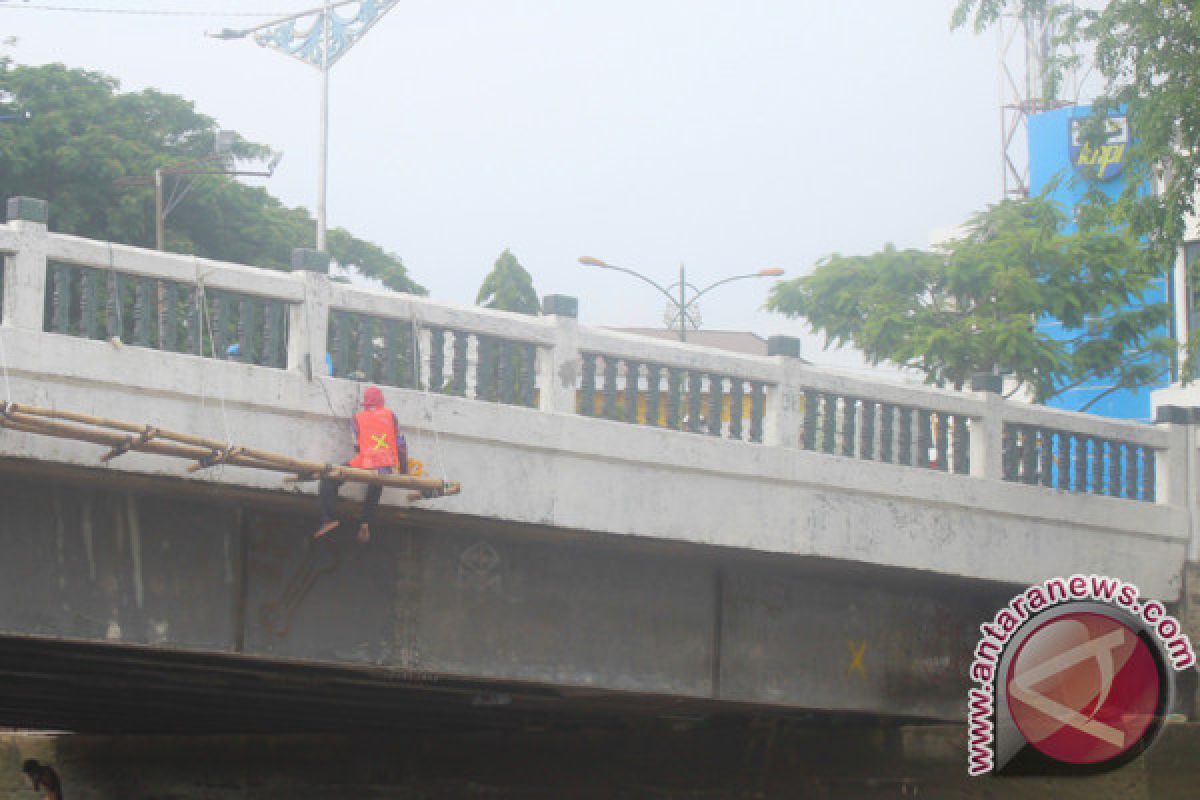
x=308 y=320
x=1176 y=468
x=558 y=366
x=784 y=414
x=25 y=271
x=987 y=438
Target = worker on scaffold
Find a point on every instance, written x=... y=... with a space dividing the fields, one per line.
x=380 y=447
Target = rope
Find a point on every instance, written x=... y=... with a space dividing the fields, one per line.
x=115 y=288
x=4 y=367
x=429 y=405
x=202 y=299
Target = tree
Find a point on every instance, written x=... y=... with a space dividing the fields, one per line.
x=84 y=134
x=1146 y=52
x=509 y=287
x=970 y=305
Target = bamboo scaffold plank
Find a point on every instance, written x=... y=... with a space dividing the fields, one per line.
x=122 y=437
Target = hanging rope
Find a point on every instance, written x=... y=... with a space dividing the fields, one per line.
x=114 y=290
x=206 y=321
x=428 y=402
x=4 y=367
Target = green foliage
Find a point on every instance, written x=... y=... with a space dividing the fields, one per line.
x=970 y=306
x=508 y=287
x=85 y=134
x=1146 y=51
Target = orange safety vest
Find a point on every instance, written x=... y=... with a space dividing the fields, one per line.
x=377 y=445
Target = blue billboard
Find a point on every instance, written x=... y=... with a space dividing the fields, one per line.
x=1057 y=152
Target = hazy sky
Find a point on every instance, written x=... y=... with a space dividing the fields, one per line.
x=726 y=135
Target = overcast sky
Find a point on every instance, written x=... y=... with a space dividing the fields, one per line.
x=726 y=135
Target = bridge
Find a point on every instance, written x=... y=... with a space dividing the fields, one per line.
x=646 y=527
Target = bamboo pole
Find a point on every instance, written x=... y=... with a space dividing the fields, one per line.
x=205 y=452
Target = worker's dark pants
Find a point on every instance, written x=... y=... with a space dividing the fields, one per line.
x=328 y=492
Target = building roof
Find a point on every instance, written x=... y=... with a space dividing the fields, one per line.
x=733 y=341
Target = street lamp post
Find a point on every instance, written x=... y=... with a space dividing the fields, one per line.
x=681 y=303
x=318 y=37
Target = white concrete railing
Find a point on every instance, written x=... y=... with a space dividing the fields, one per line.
x=550 y=363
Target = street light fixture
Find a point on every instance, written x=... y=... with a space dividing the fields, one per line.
x=681 y=302
x=318 y=37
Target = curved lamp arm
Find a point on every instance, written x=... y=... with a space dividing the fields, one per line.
x=595 y=262
x=770 y=272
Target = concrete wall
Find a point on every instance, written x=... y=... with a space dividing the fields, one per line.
x=221 y=576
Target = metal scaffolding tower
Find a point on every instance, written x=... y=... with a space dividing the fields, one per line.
x=1027 y=57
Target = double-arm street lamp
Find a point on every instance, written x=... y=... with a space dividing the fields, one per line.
x=318 y=37
x=682 y=302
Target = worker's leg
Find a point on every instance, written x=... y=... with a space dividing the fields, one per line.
x=370 y=506
x=327 y=500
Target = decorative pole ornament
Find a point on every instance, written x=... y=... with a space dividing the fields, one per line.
x=319 y=37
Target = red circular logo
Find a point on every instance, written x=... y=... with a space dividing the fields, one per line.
x=1083 y=688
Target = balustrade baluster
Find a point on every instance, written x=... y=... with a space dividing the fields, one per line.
x=275 y=337
x=1011 y=454
x=458 y=364
x=1062 y=458
x=812 y=402
x=653 y=394
x=587 y=387
x=1045 y=440
x=437 y=359
x=339 y=331
x=1116 y=474
x=1029 y=455
x=941 y=445
x=758 y=405
x=829 y=404
x=112 y=300
x=1079 y=472
x=849 y=420
x=504 y=369
x=695 y=389
x=223 y=324
x=392 y=348
x=736 y=407
x=242 y=327
x=887 y=433
x=485 y=380
x=60 y=298
x=168 y=292
x=143 y=312
x=1097 y=465
x=674 y=398
x=716 y=404
x=195 y=341
x=609 y=409
x=904 y=446
x=1149 y=489
x=962 y=445
x=89 y=303
x=924 y=437
x=528 y=374
x=866 y=439
x=1132 y=452
x=633 y=374
x=364 y=349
